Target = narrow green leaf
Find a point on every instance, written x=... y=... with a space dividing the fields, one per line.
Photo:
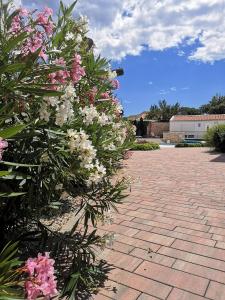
x=14 y=42
x=12 y=68
x=10 y=195
x=11 y=131
x=8 y=163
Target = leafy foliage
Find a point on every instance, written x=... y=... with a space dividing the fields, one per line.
x=163 y=111
x=215 y=137
x=215 y=106
x=189 y=145
x=65 y=140
x=145 y=146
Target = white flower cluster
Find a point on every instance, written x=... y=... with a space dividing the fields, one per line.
x=120 y=131
x=63 y=106
x=112 y=74
x=110 y=147
x=78 y=141
x=97 y=175
x=119 y=108
x=71 y=36
x=90 y=115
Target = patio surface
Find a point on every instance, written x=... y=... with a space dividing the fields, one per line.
x=170 y=233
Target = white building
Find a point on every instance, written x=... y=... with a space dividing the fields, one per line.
x=194 y=126
x=191 y=126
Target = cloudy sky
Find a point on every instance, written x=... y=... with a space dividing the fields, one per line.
x=172 y=49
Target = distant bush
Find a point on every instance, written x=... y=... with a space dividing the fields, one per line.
x=215 y=137
x=186 y=145
x=147 y=146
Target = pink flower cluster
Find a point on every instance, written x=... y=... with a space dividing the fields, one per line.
x=44 y=21
x=105 y=95
x=92 y=94
x=16 y=25
x=41 y=281
x=115 y=84
x=16 y=22
x=3 y=145
x=60 y=76
x=77 y=71
x=33 y=44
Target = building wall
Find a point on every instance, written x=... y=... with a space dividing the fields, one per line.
x=196 y=128
x=156 y=129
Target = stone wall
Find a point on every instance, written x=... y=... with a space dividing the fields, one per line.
x=156 y=129
x=173 y=137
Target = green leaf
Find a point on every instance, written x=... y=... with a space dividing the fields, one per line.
x=12 y=68
x=4 y=173
x=70 y=9
x=8 y=163
x=38 y=91
x=10 y=195
x=14 y=42
x=16 y=176
x=11 y=131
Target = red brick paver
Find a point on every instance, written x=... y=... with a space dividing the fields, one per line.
x=170 y=232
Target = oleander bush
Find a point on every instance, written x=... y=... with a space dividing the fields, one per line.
x=62 y=137
x=215 y=137
x=147 y=146
x=189 y=145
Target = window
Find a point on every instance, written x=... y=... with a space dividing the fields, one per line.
x=199 y=124
x=191 y=136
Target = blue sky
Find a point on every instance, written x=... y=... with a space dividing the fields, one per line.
x=156 y=75
x=169 y=49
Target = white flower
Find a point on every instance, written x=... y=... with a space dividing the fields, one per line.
x=69 y=36
x=70 y=91
x=64 y=113
x=112 y=74
x=78 y=38
x=110 y=147
x=55 y=50
x=90 y=114
x=103 y=119
x=119 y=108
x=52 y=101
x=43 y=112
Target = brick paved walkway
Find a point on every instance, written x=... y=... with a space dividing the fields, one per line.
x=170 y=233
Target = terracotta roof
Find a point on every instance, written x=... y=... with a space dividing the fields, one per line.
x=220 y=117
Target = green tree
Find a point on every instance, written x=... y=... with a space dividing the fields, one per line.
x=185 y=110
x=215 y=106
x=163 y=111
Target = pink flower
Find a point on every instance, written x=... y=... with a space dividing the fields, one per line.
x=23 y=12
x=105 y=95
x=115 y=84
x=92 y=94
x=59 y=77
x=41 y=280
x=60 y=61
x=16 y=25
x=48 y=11
x=3 y=145
x=43 y=20
x=77 y=71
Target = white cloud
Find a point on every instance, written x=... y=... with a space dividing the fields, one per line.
x=121 y=28
x=150 y=83
x=173 y=89
x=180 y=53
x=185 y=88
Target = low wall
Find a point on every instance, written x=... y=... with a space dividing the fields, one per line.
x=173 y=137
x=156 y=129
